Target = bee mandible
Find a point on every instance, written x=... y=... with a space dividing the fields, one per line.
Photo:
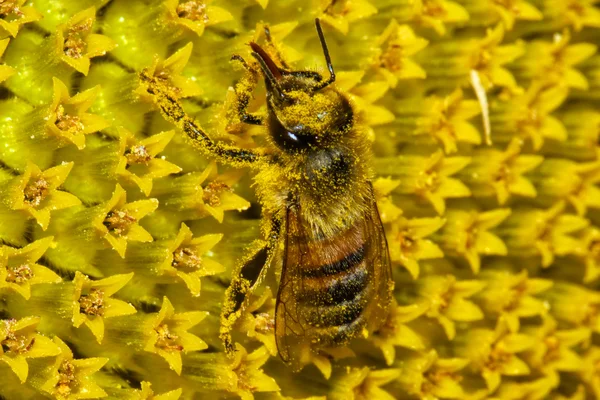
x=320 y=218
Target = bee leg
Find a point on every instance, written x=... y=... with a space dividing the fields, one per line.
x=245 y=280
x=243 y=92
x=172 y=111
x=305 y=74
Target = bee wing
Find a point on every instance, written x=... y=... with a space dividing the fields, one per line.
x=294 y=334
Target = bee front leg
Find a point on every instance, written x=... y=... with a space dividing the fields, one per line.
x=243 y=92
x=172 y=110
x=245 y=279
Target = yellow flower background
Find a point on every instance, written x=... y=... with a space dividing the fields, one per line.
x=117 y=238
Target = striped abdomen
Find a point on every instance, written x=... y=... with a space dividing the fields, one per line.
x=335 y=288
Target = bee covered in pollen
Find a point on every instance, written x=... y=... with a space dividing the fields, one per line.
x=320 y=219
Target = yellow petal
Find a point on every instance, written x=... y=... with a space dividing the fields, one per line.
x=96 y=326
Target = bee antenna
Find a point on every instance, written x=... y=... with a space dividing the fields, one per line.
x=331 y=79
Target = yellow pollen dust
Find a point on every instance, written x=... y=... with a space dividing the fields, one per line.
x=265 y=323
x=16 y=344
x=66 y=122
x=66 y=380
x=193 y=10
x=391 y=59
x=92 y=303
x=138 y=155
x=10 y=7
x=430 y=180
x=471 y=234
x=212 y=193
x=434 y=377
x=186 y=258
x=314 y=112
x=591 y=314
x=35 y=192
x=594 y=249
x=19 y=274
x=75 y=44
x=497 y=358
x=118 y=221
x=166 y=340
x=433 y=9
x=337 y=7
x=553 y=349
x=406 y=241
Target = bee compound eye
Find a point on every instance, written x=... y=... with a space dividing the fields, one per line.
x=293 y=139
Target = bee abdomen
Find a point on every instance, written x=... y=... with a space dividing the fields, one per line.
x=343 y=289
x=340 y=314
x=343 y=265
x=334 y=297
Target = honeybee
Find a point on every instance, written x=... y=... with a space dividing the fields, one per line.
x=320 y=217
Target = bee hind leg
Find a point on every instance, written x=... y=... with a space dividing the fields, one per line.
x=245 y=280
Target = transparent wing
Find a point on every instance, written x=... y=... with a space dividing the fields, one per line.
x=295 y=328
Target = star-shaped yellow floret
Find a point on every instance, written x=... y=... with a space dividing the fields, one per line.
x=437 y=13
x=92 y=302
x=169 y=336
x=19 y=341
x=139 y=162
x=76 y=43
x=528 y=115
x=576 y=13
x=562 y=179
x=189 y=259
x=146 y=393
x=554 y=62
x=118 y=221
x=250 y=376
x=258 y=321
x=539 y=388
x=395 y=46
x=195 y=15
x=362 y=384
x=170 y=72
x=72 y=379
x=36 y=193
x=340 y=14
x=490 y=57
x=575 y=305
x=448 y=300
x=445 y=119
x=555 y=349
x=364 y=96
x=430 y=178
x=68 y=119
x=13 y=15
x=408 y=243
x=19 y=269
x=501 y=173
x=194 y=198
x=510 y=297
x=395 y=331
x=467 y=234
x=429 y=376
x=511 y=10
x=543 y=232
x=494 y=353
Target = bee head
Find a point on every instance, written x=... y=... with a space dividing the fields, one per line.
x=304 y=111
